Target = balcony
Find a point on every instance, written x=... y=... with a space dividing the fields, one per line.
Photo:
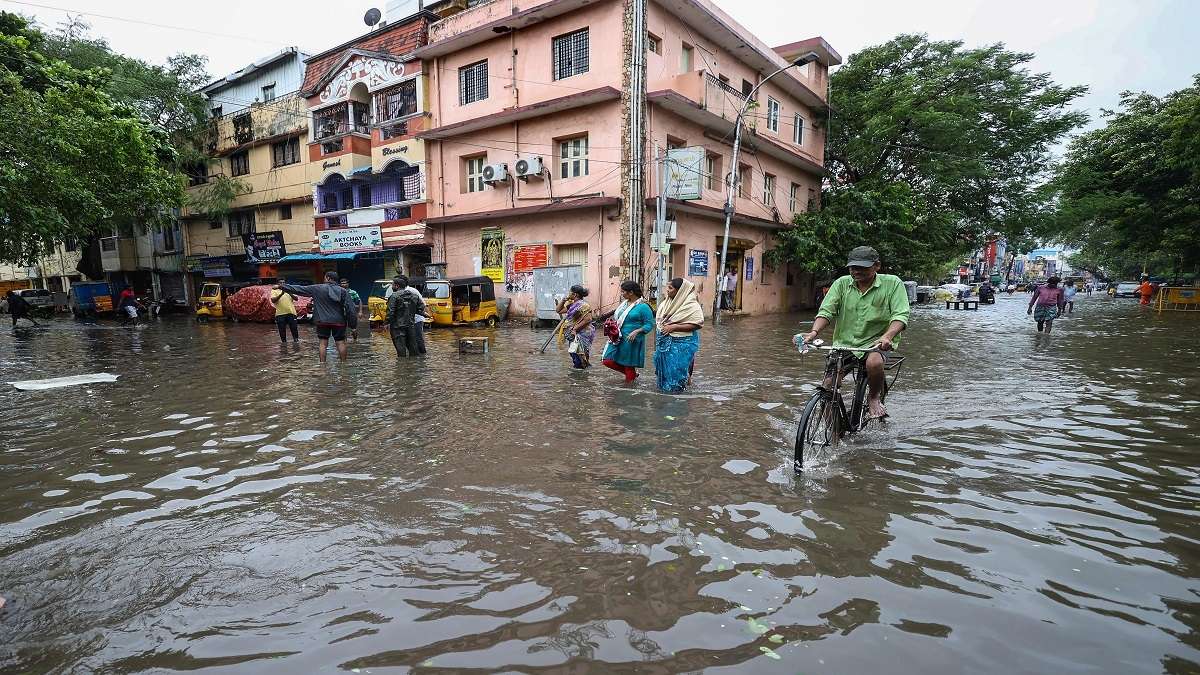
x=719 y=98
x=118 y=254
x=341 y=119
x=261 y=122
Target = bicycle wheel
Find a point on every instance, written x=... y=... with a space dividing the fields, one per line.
x=820 y=427
x=858 y=409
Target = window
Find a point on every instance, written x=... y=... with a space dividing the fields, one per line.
x=214 y=224
x=268 y=93
x=108 y=244
x=197 y=173
x=772 y=114
x=712 y=169
x=168 y=239
x=396 y=102
x=572 y=254
x=216 y=111
x=794 y=199
x=747 y=88
x=241 y=222
x=745 y=175
x=675 y=143
x=285 y=212
x=285 y=152
x=239 y=163
x=474 y=173
x=573 y=157
x=812 y=199
x=70 y=245
x=364 y=196
x=570 y=54
x=654 y=43
x=798 y=132
x=686 y=56
x=473 y=82
x=768 y=196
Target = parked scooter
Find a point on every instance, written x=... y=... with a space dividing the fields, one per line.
x=168 y=305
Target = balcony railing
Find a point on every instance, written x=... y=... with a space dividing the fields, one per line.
x=722 y=99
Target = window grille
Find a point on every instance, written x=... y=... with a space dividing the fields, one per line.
x=570 y=54
x=473 y=82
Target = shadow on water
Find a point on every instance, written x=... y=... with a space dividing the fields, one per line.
x=232 y=504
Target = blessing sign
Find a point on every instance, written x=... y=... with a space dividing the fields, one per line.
x=349 y=239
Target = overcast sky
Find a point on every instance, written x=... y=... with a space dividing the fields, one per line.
x=1108 y=45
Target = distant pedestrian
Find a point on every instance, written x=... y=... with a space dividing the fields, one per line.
x=285 y=314
x=404 y=308
x=19 y=308
x=332 y=312
x=679 y=320
x=729 y=288
x=424 y=316
x=1046 y=304
x=579 y=330
x=356 y=300
x=626 y=331
x=127 y=306
x=1069 y=292
x=1146 y=290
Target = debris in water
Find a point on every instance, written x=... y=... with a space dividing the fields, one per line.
x=769 y=406
x=69 y=381
x=770 y=652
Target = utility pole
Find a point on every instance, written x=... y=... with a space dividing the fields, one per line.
x=660 y=221
x=735 y=177
x=635 y=188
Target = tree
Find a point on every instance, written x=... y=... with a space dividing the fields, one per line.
x=73 y=161
x=963 y=136
x=1129 y=192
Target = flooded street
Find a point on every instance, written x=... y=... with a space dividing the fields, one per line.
x=230 y=504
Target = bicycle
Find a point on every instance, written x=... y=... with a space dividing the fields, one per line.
x=825 y=420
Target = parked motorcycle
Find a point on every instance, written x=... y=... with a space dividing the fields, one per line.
x=987 y=295
x=168 y=305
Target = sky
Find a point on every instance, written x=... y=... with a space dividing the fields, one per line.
x=1108 y=45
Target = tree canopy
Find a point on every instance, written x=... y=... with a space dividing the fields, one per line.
x=1129 y=192
x=83 y=150
x=932 y=147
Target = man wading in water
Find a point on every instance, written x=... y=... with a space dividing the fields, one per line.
x=332 y=312
x=871 y=310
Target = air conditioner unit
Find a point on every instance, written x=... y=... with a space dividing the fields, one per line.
x=669 y=228
x=529 y=167
x=495 y=173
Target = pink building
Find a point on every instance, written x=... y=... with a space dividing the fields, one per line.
x=537 y=90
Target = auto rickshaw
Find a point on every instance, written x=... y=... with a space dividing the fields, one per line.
x=211 y=302
x=381 y=289
x=456 y=302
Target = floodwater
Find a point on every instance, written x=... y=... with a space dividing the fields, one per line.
x=231 y=505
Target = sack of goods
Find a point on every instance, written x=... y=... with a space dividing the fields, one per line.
x=253 y=303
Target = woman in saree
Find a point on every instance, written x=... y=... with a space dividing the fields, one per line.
x=680 y=318
x=634 y=321
x=578 y=330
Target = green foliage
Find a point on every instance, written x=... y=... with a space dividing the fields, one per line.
x=215 y=200
x=85 y=149
x=961 y=136
x=1129 y=193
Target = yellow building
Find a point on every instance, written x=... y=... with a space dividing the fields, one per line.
x=258 y=131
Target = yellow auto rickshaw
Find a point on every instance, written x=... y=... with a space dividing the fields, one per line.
x=381 y=290
x=455 y=302
x=211 y=302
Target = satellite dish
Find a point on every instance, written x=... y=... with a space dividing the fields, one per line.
x=373 y=16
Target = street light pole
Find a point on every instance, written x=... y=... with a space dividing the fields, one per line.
x=735 y=176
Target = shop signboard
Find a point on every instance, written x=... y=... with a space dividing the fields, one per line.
x=697 y=263
x=264 y=247
x=193 y=263
x=491 y=247
x=749 y=268
x=685 y=173
x=215 y=268
x=350 y=239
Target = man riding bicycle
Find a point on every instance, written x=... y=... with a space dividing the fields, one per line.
x=870 y=310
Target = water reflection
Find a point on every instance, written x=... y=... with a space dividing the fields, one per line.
x=233 y=505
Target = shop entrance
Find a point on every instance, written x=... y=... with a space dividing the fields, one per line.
x=737 y=260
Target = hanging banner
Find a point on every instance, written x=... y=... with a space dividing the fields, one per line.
x=749 y=268
x=697 y=263
x=350 y=239
x=492 y=253
x=685 y=173
x=264 y=247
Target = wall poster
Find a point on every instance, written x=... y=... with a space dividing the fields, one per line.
x=492 y=253
x=520 y=261
x=697 y=263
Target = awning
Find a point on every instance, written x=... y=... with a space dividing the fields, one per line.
x=360 y=171
x=302 y=257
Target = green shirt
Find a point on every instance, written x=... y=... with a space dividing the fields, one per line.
x=860 y=319
x=354 y=297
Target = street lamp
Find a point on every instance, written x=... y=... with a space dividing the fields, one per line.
x=733 y=172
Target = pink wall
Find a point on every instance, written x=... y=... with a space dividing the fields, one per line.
x=534 y=81
x=529 y=137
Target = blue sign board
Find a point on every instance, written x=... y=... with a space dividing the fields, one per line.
x=697 y=263
x=749 y=269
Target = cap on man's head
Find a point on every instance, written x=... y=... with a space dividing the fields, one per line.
x=863 y=256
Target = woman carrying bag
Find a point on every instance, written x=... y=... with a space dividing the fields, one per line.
x=577 y=314
x=680 y=318
x=626 y=331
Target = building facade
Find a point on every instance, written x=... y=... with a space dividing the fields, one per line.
x=257 y=142
x=533 y=150
x=54 y=271
x=367 y=100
